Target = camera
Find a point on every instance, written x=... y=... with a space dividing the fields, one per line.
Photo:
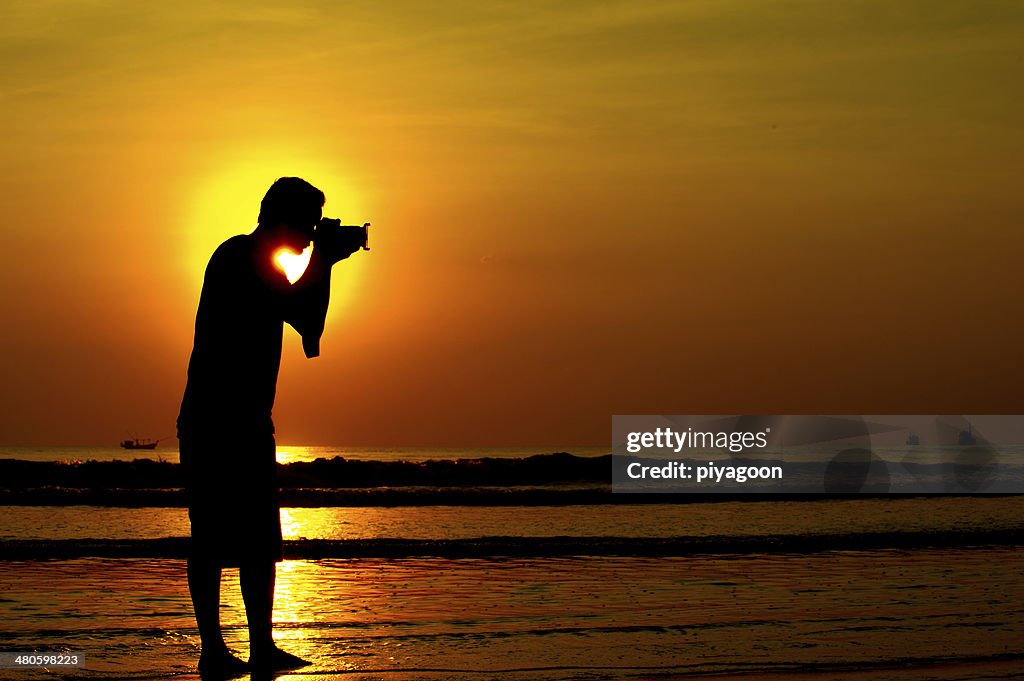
x=331 y=230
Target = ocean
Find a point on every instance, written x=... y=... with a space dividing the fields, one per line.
x=167 y=450
x=517 y=581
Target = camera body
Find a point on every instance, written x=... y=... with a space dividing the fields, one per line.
x=331 y=231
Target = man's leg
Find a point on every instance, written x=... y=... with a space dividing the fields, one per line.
x=257 y=579
x=204 y=585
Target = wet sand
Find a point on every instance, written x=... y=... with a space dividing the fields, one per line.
x=927 y=613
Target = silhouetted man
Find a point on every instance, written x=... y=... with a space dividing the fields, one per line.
x=225 y=431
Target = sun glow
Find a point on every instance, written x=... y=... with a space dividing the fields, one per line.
x=226 y=200
x=293 y=264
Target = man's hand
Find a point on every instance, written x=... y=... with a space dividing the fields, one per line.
x=334 y=242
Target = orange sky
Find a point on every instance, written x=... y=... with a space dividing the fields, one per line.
x=580 y=209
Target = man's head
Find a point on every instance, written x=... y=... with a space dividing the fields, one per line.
x=290 y=210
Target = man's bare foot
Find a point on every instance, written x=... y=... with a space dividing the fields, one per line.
x=220 y=664
x=275 y=659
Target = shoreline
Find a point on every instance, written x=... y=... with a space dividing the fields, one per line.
x=483 y=547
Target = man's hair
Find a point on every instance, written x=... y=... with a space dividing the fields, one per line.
x=293 y=201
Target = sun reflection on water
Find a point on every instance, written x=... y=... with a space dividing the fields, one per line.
x=293 y=453
x=289 y=607
x=306 y=523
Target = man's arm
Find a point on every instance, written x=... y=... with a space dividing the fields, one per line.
x=305 y=305
x=307 y=299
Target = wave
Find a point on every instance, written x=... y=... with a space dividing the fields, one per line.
x=311 y=549
x=437 y=496
x=335 y=473
x=340 y=498
x=541 y=480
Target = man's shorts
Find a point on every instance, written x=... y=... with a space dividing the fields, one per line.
x=231 y=486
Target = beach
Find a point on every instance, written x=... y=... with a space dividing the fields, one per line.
x=618 y=587
x=883 y=614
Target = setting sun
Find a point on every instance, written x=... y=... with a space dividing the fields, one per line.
x=293 y=264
